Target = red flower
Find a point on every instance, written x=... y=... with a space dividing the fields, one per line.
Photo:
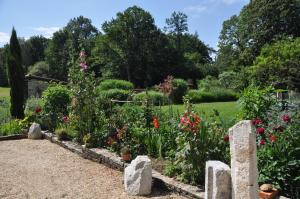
x=110 y=141
x=155 y=122
x=286 y=118
x=256 y=121
x=262 y=142
x=260 y=130
x=226 y=138
x=273 y=138
x=38 y=109
x=66 y=119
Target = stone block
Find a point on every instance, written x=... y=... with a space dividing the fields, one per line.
x=138 y=176
x=244 y=173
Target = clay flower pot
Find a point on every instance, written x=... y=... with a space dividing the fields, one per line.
x=126 y=157
x=267 y=192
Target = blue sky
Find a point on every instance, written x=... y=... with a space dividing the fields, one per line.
x=43 y=17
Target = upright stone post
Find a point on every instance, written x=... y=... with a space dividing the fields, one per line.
x=217 y=180
x=244 y=171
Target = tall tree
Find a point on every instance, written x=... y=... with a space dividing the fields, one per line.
x=177 y=25
x=259 y=23
x=134 y=47
x=16 y=77
x=66 y=44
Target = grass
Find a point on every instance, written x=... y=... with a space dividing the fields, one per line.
x=228 y=110
x=4 y=92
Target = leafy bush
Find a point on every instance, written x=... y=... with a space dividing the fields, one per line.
x=10 y=128
x=256 y=102
x=197 y=96
x=154 y=97
x=39 y=69
x=56 y=101
x=116 y=94
x=179 y=89
x=64 y=133
x=279 y=151
x=115 y=84
x=56 y=98
x=209 y=84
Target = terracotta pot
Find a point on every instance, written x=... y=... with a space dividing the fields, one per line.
x=268 y=195
x=126 y=157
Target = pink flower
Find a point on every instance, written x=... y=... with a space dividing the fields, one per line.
x=262 y=142
x=260 y=130
x=66 y=119
x=286 y=118
x=82 y=54
x=83 y=65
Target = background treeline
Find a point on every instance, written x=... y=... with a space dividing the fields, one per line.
x=259 y=46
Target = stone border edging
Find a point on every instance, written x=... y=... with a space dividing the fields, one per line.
x=113 y=161
x=13 y=137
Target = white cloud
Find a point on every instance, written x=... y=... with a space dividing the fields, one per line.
x=46 y=31
x=195 y=9
x=4 y=37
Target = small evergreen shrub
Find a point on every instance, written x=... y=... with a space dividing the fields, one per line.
x=117 y=94
x=115 y=84
x=154 y=97
x=197 y=96
x=179 y=89
x=56 y=98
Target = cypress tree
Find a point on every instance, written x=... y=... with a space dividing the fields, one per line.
x=16 y=77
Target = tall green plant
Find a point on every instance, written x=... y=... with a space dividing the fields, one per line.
x=16 y=77
x=82 y=82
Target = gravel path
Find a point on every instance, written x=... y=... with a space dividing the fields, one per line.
x=39 y=169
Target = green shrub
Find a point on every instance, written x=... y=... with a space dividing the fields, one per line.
x=256 y=102
x=56 y=100
x=197 y=96
x=40 y=68
x=209 y=84
x=64 y=133
x=116 y=94
x=154 y=97
x=179 y=89
x=10 y=128
x=115 y=84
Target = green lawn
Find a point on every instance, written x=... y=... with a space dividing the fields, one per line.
x=4 y=92
x=228 y=110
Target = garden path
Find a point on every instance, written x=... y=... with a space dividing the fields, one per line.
x=40 y=169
